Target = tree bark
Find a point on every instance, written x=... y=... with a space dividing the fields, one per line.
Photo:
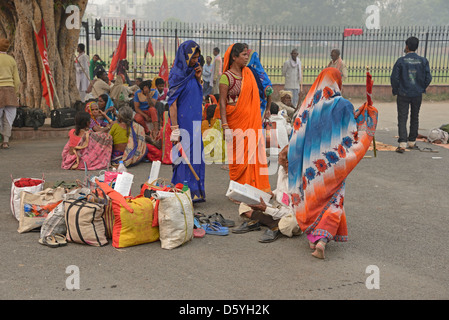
x=15 y=25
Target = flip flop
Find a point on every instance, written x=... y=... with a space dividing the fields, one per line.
x=218 y=217
x=428 y=150
x=60 y=239
x=215 y=228
x=198 y=231
x=49 y=241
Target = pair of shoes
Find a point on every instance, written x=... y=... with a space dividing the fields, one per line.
x=319 y=251
x=247 y=226
x=270 y=235
x=54 y=241
x=215 y=228
x=5 y=145
x=198 y=231
x=400 y=150
x=218 y=217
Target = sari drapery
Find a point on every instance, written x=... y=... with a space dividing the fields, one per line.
x=214 y=144
x=94 y=150
x=136 y=148
x=262 y=79
x=326 y=145
x=186 y=90
x=163 y=153
x=246 y=154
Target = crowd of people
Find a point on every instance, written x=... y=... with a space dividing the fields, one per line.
x=220 y=110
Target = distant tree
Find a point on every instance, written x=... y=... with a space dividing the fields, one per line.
x=332 y=12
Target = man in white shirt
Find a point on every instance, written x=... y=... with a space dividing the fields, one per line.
x=82 y=71
x=292 y=71
x=217 y=70
x=101 y=85
x=279 y=216
x=207 y=77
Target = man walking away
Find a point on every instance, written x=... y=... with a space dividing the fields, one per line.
x=293 y=76
x=409 y=80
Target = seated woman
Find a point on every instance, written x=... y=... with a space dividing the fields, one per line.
x=99 y=122
x=106 y=105
x=209 y=120
x=128 y=139
x=144 y=102
x=85 y=147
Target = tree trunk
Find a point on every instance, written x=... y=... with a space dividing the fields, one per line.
x=16 y=25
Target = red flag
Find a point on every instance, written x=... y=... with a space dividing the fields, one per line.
x=163 y=71
x=149 y=49
x=119 y=54
x=42 y=43
x=349 y=32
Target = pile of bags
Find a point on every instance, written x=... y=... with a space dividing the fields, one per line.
x=93 y=213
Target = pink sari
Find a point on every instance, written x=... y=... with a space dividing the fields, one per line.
x=93 y=151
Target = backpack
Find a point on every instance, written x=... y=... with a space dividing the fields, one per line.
x=19 y=120
x=34 y=118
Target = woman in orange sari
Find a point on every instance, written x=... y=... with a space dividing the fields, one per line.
x=241 y=120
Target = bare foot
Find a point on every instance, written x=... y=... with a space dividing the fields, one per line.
x=319 y=251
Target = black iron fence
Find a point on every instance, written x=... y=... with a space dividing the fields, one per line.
x=376 y=49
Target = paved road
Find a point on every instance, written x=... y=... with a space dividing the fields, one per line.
x=397 y=207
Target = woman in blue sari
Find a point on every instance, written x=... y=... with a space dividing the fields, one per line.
x=185 y=97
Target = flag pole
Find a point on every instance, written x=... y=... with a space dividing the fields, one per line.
x=52 y=81
x=44 y=71
x=134 y=49
x=374 y=138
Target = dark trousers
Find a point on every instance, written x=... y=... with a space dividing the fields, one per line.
x=404 y=104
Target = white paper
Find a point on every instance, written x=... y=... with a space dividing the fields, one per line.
x=123 y=183
x=247 y=193
x=154 y=173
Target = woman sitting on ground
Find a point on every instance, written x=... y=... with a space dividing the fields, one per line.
x=128 y=139
x=144 y=102
x=99 y=122
x=86 y=147
x=106 y=105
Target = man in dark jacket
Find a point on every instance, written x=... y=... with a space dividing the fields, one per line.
x=409 y=80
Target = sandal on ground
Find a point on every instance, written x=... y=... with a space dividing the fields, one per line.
x=215 y=228
x=319 y=251
x=198 y=231
x=218 y=217
x=5 y=145
x=60 y=239
x=428 y=150
x=49 y=241
x=400 y=150
x=201 y=217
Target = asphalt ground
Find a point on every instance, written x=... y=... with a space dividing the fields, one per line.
x=397 y=207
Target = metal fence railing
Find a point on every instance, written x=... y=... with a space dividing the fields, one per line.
x=376 y=49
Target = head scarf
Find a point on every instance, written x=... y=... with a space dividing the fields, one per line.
x=284 y=93
x=88 y=109
x=4 y=45
x=181 y=72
